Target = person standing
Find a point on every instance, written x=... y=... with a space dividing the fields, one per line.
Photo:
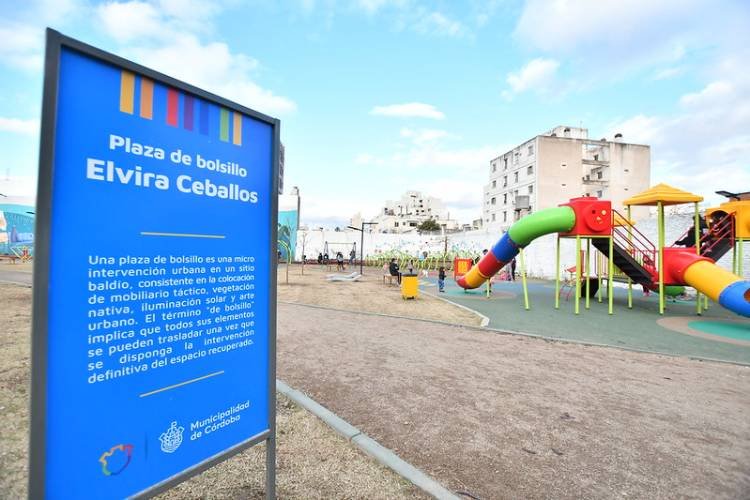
x=352 y=256
x=320 y=259
x=513 y=269
x=339 y=261
x=441 y=279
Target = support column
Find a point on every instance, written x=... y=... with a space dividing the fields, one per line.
x=578 y=273
x=611 y=271
x=588 y=270
x=523 y=281
x=660 y=227
x=697 y=251
x=557 y=274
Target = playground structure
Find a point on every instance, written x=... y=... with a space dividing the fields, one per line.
x=656 y=267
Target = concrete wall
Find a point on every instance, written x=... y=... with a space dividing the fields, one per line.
x=540 y=255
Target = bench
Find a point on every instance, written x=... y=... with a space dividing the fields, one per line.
x=11 y=258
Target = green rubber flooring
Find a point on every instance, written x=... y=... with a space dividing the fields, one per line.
x=634 y=328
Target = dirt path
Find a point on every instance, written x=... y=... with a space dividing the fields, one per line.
x=369 y=294
x=511 y=417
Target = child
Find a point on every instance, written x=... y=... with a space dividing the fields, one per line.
x=441 y=279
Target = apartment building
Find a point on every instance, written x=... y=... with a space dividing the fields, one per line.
x=560 y=164
x=406 y=214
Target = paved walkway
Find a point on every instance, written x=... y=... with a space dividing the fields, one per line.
x=635 y=328
x=504 y=416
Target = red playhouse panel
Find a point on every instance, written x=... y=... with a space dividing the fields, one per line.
x=461 y=267
x=593 y=216
x=676 y=260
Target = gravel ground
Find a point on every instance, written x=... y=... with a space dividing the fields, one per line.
x=313 y=462
x=369 y=294
x=504 y=416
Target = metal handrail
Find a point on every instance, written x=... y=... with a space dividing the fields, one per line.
x=718 y=231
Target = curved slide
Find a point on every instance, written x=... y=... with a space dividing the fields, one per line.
x=717 y=283
x=701 y=273
x=520 y=234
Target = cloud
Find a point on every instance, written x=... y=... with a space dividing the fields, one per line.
x=22 y=32
x=537 y=74
x=667 y=73
x=703 y=146
x=437 y=23
x=425 y=135
x=409 y=110
x=164 y=36
x=18 y=126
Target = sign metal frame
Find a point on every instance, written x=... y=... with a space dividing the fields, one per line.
x=55 y=42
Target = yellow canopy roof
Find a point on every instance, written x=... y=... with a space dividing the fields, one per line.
x=663 y=193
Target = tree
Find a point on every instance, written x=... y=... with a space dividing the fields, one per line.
x=428 y=225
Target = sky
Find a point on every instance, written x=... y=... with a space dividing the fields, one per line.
x=377 y=97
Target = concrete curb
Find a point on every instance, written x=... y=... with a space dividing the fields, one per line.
x=368 y=445
x=485 y=319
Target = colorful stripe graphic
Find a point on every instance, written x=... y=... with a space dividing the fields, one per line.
x=173 y=105
x=187 y=118
x=197 y=114
x=204 y=118
x=237 y=129
x=127 y=92
x=147 y=98
x=224 y=125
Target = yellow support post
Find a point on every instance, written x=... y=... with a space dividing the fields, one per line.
x=611 y=271
x=578 y=273
x=739 y=261
x=698 y=252
x=523 y=281
x=557 y=274
x=600 y=265
x=630 y=242
x=588 y=270
x=660 y=228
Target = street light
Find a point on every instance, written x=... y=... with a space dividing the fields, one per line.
x=362 y=242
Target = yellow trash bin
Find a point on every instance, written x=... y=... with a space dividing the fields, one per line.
x=409 y=286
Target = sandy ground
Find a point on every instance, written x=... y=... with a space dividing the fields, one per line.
x=504 y=416
x=313 y=462
x=369 y=294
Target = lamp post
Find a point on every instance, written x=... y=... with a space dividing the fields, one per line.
x=362 y=242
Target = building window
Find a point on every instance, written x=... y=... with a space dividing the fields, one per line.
x=493 y=217
x=599 y=175
x=531 y=150
x=596 y=157
x=530 y=170
x=395 y=224
x=505 y=181
x=505 y=163
x=515 y=157
x=599 y=194
x=515 y=176
x=494 y=184
x=531 y=189
x=413 y=224
x=493 y=201
x=505 y=216
x=494 y=167
x=505 y=199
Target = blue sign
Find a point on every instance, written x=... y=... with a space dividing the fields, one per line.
x=158 y=340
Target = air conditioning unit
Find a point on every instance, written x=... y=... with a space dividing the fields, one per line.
x=523 y=202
